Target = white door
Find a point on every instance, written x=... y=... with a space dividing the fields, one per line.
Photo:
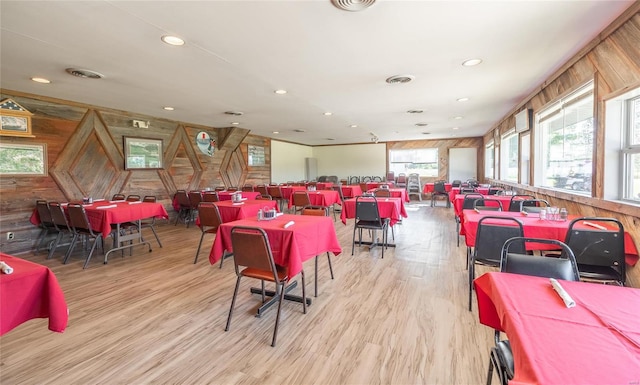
x=463 y=164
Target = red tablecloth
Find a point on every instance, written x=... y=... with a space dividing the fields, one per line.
x=392 y=208
x=324 y=185
x=458 y=201
x=101 y=219
x=456 y=190
x=351 y=191
x=535 y=228
x=288 y=190
x=324 y=198
x=595 y=342
x=371 y=185
x=226 y=195
x=308 y=237
x=428 y=188
x=32 y=291
x=396 y=193
x=230 y=211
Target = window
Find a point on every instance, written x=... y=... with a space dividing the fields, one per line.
x=631 y=150
x=423 y=161
x=509 y=156
x=525 y=157
x=565 y=135
x=488 y=161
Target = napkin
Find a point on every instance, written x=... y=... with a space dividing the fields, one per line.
x=120 y=201
x=524 y=213
x=289 y=224
x=237 y=203
x=6 y=269
x=107 y=207
x=98 y=200
x=568 y=301
x=134 y=202
x=476 y=210
x=597 y=226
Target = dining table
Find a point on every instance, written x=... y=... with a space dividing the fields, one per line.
x=324 y=198
x=228 y=195
x=456 y=190
x=30 y=291
x=458 y=202
x=351 y=191
x=534 y=227
x=395 y=193
x=392 y=208
x=288 y=190
x=595 y=342
x=294 y=239
x=232 y=211
x=428 y=187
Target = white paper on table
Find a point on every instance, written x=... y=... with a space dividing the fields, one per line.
x=135 y=202
x=597 y=226
x=98 y=200
x=568 y=301
x=6 y=269
x=107 y=207
x=120 y=201
x=237 y=203
x=289 y=224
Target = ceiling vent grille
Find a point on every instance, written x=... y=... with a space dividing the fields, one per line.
x=353 y=5
x=233 y=113
x=398 y=79
x=87 y=74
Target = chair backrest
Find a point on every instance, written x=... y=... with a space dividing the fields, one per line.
x=78 y=219
x=533 y=205
x=266 y=197
x=183 y=199
x=456 y=183
x=354 y=180
x=149 y=199
x=514 y=205
x=598 y=244
x=209 y=216
x=44 y=213
x=262 y=189
x=322 y=178
x=58 y=217
x=517 y=262
x=495 y=191
x=487 y=204
x=251 y=249
x=401 y=181
x=118 y=197
x=316 y=211
x=275 y=192
x=492 y=233
x=472 y=183
x=391 y=176
x=219 y=188
x=367 y=209
x=469 y=200
x=210 y=196
x=301 y=199
x=332 y=179
x=438 y=187
x=382 y=192
x=195 y=197
x=467 y=190
x=247 y=188
x=133 y=198
x=232 y=188
x=339 y=190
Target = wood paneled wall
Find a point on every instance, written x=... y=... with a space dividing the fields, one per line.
x=613 y=61
x=86 y=158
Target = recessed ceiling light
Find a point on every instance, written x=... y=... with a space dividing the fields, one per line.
x=172 y=40
x=457 y=117
x=415 y=111
x=280 y=92
x=328 y=113
x=422 y=124
x=471 y=62
x=398 y=79
x=41 y=80
x=354 y=126
x=353 y=5
x=168 y=108
x=235 y=123
x=462 y=99
x=455 y=128
x=276 y=132
x=84 y=73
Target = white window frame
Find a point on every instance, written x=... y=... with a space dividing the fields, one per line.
x=488 y=161
x=506 y=138
x=414 y=156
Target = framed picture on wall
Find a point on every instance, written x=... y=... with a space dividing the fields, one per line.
x=256 y=156
x=15 y=120
x=142 y=153
x=23 y=159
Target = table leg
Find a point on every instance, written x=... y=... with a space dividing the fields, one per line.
x=119 y=240
x=274 y=297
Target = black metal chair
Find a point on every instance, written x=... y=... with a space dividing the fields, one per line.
x=467 y=204
x=598 y=244
x=514 y=204
x=210 y=220
x=533 y=205
x=487 y=204
x=61 y=223
x=321 y=212
x=514 y=261
x=253 y=259
x=150 y=222
x=368 y=217
x=492 y=233
x=81 y=228
x=439 y=191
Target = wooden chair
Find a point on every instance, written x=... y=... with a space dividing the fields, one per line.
x=210 y=220
x=253 y=259
x=321 y=212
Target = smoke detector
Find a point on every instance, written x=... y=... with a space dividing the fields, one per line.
x=353 y=5
x=397 y=79
x=83 y=73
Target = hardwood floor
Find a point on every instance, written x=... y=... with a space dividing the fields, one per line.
x=158 y=318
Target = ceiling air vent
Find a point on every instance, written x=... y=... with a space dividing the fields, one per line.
x=415 y=111
x=87 y=74
x=298 y=130
x=233 y=113
x=353 y=5
x=422 y=124
x=400 y=79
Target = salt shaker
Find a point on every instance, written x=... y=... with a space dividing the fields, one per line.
x=563 y=214
x=260 y=214
x=543 y=214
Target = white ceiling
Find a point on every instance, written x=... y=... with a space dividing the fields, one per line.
x=238 y=52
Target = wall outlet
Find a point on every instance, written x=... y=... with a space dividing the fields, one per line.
x=10 y=236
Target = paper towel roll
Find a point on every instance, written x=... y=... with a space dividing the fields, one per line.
x=568 y=301
x=6 y=269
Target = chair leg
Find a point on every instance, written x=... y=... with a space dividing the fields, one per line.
x=353 y=240
x=304 y=293
x=281 y=299
x=199 y=245
x=472 y=273
x=330 y=267
x=93 y=247
x=458 y=232
x=490 y=373
x=315 y=285
x=156 y=235
x=71 y=247
x=54 y=245
x=233 y=303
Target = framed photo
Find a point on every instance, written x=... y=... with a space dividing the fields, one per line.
x=15 y=120
x=256 y=156
x=23 y=159
x=142 y=153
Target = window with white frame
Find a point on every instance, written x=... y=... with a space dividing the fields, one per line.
x=423 y=161
x=565 y=135
x=488 y=161
x=631 y=151
x=525 y=157
x=509 y=156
